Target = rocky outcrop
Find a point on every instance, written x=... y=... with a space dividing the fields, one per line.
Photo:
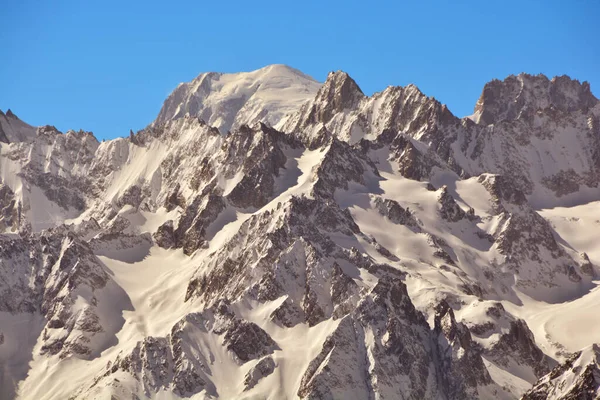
x=385 y=348
x=191 y=231
x=10 y=209
x=179 y=361
x=586 y=265
x=527 y=242
x=511 y=342
x=263 y=368
x=261 y=156
x=341 y=165
x=395 y=212
x=57 y=189
x=502 y=191
x=449 y=209
x=577 y=378
x=522 y=95
x=13 y=130
x=170 y=362
x=339 y=93
x=165 y=235
x=461 y=355
x=330 y=374
x=519 y=344
x=247 y=341
x=57 y=275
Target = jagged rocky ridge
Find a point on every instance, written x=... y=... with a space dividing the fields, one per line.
x=305 y=242
x=577 y=378
x=540 y=133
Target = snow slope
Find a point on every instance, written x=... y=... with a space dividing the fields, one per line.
x=228 y=101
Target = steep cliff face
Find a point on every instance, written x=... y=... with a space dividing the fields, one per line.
x=12 y=129
x=577 y=378
x=521 y=96
x=271 y=237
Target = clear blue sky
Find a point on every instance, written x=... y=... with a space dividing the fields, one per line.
x=107 y=66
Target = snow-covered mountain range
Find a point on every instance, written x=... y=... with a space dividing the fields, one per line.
x=269 y=236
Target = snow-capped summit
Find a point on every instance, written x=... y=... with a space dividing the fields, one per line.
x=339 y=92
x=340 y=108
x=228 y=101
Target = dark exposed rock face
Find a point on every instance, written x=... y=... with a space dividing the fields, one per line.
x=3 y=137
x=330 y=374
x=133 y=196
x=400 y=346
x=248 y=342
x=502 y=191
x=577 y=378
x=517 y=96
x=341 y=165
x=339 y=93
x=586 y=265
x=10 y=212
x=385 y=347
x=563 y=182
x=513 y=342
x=13 y=130
x=191 y=231
x=413 y=162
x=524 y=234
x=262 y=161
x=526 y=239
x=84 y=270
x=165 y=235
x=395 y=212
x=17 y=295
x=263 y=368
x=57 y=189
x=175 y=199
x=56 y=271
x=449 y=209
x=462 y=355
x=179 y=362
x=519 y=344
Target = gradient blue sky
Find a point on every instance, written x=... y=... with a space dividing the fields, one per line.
x=107 y=66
